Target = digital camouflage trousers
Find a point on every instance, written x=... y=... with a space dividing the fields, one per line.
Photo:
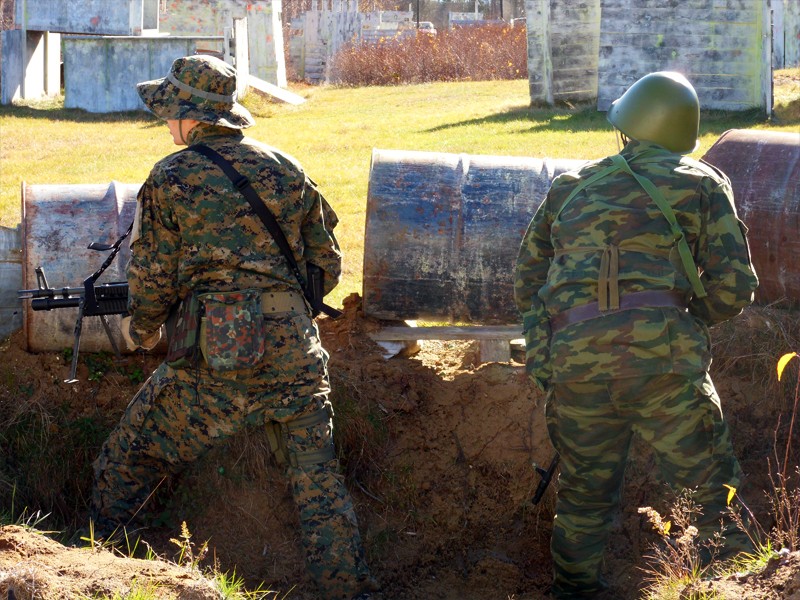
x=179 y=414
x=591 y=425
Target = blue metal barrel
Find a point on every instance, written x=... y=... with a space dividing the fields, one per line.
x=443 y=231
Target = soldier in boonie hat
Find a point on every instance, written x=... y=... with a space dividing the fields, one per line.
x=199 y=87
x=258 y=355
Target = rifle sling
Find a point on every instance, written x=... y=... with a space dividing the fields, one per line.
x=242 y=184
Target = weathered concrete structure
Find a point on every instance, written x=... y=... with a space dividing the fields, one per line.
x=563 y=43
x=212 y=17
x=720 y=46
x=319 y=34
x=786 y=42
x=124 y=43
x=586 y=50
x=101 y=72
x=97 y=17
x=30 y=65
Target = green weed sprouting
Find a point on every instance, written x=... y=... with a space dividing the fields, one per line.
x=232 y=587
x=188 y=555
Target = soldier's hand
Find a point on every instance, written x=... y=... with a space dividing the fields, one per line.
x=147 y=344
x=125 y=329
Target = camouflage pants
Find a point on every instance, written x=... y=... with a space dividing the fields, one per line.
x=592 y=424
x=179 y=414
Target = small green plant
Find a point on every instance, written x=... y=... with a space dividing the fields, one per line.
x=135 y=375
x=98 y=364
x=232 y=587
x=188 y=555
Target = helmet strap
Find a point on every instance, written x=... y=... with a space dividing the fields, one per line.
x=180 y=131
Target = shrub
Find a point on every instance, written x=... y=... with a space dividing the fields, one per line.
x=476 y=53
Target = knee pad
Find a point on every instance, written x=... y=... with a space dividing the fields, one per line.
x=278 y=433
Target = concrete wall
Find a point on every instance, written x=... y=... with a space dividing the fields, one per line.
x=582 y=50
x=212 y=17
x=563 y=41
x=791 y=34
x=717 y=44
x=317 y=35
x=99 y=17
x=101 y=73
x=30 y=65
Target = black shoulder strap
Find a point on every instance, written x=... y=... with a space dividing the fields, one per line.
x=242 y=184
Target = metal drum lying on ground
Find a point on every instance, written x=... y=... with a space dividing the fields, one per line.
x=10 y=280
x=443 y=232
x=58 y=223
x=764 y=169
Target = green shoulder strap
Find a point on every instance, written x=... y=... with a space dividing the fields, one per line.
x=620 y=164
x=677 y=232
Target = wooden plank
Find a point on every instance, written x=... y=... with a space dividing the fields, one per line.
x=274 y=91
x=494 y=332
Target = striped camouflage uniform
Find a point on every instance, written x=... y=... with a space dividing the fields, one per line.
x=619 y=339
x=195 y=232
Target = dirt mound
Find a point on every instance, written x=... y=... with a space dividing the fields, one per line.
x=439 y=454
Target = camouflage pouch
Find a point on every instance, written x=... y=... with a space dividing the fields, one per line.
x=232 y=332
x=183 y=328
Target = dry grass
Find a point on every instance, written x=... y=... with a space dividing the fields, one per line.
x=465 y=54
x=749 y=345
x=787 y=94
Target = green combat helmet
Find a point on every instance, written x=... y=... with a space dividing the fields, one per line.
x=661 y=108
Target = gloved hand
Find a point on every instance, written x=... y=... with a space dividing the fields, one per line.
x=147 y=344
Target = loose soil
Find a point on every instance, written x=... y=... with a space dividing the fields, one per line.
x=438 y=450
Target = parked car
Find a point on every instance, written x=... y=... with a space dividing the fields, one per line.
x=427 y=27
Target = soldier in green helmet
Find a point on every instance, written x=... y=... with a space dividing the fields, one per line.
x=624 y=266
x=198 y=251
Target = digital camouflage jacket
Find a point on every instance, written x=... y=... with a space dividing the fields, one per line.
x=195 y=231
x=613 y=221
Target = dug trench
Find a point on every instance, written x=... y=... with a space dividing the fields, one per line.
x=438 y=452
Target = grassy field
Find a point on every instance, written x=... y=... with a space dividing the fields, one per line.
x=333 y=135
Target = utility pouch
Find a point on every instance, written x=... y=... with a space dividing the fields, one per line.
x=232 y=331
x=183 y=329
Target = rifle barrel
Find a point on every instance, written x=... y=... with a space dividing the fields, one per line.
x=49 y=293
x=112 y=298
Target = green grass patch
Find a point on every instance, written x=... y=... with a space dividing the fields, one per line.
x=333 y=134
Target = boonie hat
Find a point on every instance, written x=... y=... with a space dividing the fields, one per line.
x=198 y=87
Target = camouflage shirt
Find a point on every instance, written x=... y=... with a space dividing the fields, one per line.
x=560 y=259
x=195 y=231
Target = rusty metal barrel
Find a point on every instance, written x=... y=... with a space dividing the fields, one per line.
x=764 y=169
x=58 y=224
x=443 y=231
x=10 y=280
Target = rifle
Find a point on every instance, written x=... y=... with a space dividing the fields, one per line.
x=546 y=475
x=91 y=299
